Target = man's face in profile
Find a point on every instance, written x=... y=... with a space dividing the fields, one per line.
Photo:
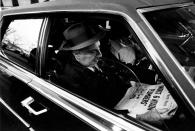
x=89 y=56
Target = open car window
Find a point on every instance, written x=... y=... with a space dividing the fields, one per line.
x=126 y=83
x=176 y=27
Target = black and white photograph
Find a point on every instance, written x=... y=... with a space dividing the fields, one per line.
x=97 y=65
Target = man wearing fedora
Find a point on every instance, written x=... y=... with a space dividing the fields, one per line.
x=80 y=73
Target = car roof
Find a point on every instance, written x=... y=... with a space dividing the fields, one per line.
x=125 y=6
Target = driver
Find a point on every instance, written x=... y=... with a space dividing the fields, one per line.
x=124 y=49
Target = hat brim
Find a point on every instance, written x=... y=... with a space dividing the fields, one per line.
x=84 y=44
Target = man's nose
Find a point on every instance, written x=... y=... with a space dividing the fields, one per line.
x=99 y=53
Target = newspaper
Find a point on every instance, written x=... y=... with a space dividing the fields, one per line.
x=146 y=98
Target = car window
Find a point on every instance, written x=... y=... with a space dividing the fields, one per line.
x=176 y=27
x=20 y=42
x=123 y=79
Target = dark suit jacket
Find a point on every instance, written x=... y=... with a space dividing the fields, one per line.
x=97 y=87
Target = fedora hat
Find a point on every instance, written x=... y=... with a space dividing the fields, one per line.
x=80 y=35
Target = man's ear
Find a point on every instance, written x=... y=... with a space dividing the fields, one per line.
x=77 y=56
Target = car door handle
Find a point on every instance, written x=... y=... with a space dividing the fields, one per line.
x=29 y=100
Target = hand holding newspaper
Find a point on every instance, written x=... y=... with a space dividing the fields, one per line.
x=148 y=102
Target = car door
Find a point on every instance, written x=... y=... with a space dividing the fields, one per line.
x=19 y=62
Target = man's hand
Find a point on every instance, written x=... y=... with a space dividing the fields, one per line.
x=154 y=116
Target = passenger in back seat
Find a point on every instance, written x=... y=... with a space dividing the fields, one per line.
x=81 y=73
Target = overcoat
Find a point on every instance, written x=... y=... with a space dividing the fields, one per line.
x=96 y=86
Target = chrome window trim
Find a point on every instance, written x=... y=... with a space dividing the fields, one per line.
x=17 y=71
x=58 y=11
x=140 y=11
x=147 y=9
x=41 y=43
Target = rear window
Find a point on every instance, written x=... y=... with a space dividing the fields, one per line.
x=20 y=42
